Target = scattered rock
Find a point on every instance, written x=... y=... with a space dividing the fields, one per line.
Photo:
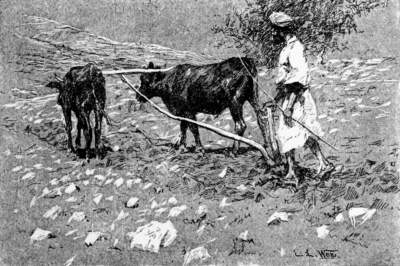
x=241 y=188
x=224 y=203
x=147 y=186
x=109 y=181
x=278 y=217
x=172 y=201
x=40 y=234
x=54 y=182
x=201 y=230
x=174 y=168
x=45 y=192
x=101 y=178
x=119 y=182
x=38 y=166
x=244 y=235
x=71 y=232
x=110 y=198
x=116 y=148
x=176 y=211
x=339 y=218
x=202 y=210
x=77 y=216
x=89 y=172
x=16 y=169
x=91 y=238
x=122 y=215
x=70 y=188
x=132 y=203
x=98 y=198
x=152 y=236
x=199 y=254
x=160 y=211
x=52 y=213
x=154 y=204
x=65 y=178
x=322 y=231
x=28 y=176
x=69 y=261
x=129 y=183
x=33 y=202
x=223 y=172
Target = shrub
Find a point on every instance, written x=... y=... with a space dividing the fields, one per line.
x=319 y=23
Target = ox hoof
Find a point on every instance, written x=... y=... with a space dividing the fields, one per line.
x=182 y=149
x=71 y=150
x=200 y=149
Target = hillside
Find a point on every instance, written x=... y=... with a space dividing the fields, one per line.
x=215 y=198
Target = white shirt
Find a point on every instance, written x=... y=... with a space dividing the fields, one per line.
x=293 y=65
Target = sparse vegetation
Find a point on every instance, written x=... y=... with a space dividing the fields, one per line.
x=319 y=24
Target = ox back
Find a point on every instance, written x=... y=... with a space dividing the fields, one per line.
x=188 y=89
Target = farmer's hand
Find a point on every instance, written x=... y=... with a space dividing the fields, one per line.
x=288 y=117
x=271 y=105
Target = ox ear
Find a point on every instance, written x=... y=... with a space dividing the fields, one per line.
x=151 y=65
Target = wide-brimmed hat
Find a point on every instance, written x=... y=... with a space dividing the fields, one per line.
x=280 y=19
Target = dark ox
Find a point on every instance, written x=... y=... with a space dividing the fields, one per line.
x=82 y=90
x=188 y=89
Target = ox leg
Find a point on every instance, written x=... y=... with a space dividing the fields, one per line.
x=78 y=134
x=68 y=128
x=97 y=132
x=195 y=131
x=182 y=137
x=87 y=132
x=240 y=125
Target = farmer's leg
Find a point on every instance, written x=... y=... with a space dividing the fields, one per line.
x=290 y=158
x=313 y=144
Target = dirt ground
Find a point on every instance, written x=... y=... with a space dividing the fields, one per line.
x=43 y=186
x=358 y=106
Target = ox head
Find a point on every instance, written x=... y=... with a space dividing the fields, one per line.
x=148 y=83
x=55 y=82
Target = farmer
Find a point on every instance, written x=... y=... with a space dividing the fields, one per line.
x=295 y=99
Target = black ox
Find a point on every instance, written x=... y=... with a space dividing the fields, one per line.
x=82 y=90
x=189 y=89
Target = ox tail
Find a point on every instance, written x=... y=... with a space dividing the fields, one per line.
x=109 y=121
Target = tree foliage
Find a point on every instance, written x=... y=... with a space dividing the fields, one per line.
x=318 y=24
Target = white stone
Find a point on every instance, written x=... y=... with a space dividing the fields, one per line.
x=176 y=211
x=52 y=213
x=92 y=237
x=40 y=234
x=152 y=236
x=132 y=202
x=198 y=254
x=77 y=216
x=322 y=231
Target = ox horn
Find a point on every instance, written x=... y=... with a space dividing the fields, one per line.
x=57 y=77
